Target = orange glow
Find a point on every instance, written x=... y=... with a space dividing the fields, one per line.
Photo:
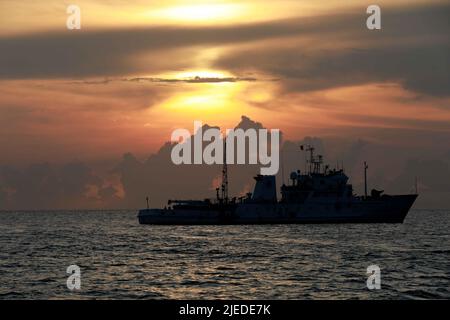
x=199 y=13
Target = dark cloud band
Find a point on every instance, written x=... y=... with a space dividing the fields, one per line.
x=412 y=48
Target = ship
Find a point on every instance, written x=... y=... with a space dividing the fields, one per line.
x=317 y=195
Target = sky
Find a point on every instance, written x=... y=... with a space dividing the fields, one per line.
x=85 y=115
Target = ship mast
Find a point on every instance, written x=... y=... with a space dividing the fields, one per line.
x=310 y=149
x=365 y=178
x=315 y=164
x=225 y=174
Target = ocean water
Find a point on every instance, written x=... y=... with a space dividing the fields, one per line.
x=119 y=258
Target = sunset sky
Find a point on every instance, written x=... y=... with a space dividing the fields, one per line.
x=136 y=70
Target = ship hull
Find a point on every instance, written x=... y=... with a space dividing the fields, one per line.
x=386 y=209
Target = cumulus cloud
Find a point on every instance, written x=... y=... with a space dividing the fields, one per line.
x=160 y=179
x=77 y=185
x=390 y=169
x=48 y=186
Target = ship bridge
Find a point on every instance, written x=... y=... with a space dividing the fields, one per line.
x=318 y=182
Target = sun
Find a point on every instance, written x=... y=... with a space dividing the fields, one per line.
x=216 y=103
x=199 y=13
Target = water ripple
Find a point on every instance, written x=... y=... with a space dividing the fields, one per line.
x=121 y=259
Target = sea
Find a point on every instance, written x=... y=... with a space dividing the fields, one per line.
x=117 y=258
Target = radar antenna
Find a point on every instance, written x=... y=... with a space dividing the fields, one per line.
x=315 y=164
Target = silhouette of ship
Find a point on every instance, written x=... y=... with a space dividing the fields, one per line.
x=319 y=195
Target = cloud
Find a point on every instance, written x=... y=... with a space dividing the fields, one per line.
x=419 y=68
x=412 y=49
x=158 y=178
x=196 y=79
x=115 y=52
x=48 y=186
x=55 y=121
x=311 y=53
x=77 y=185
